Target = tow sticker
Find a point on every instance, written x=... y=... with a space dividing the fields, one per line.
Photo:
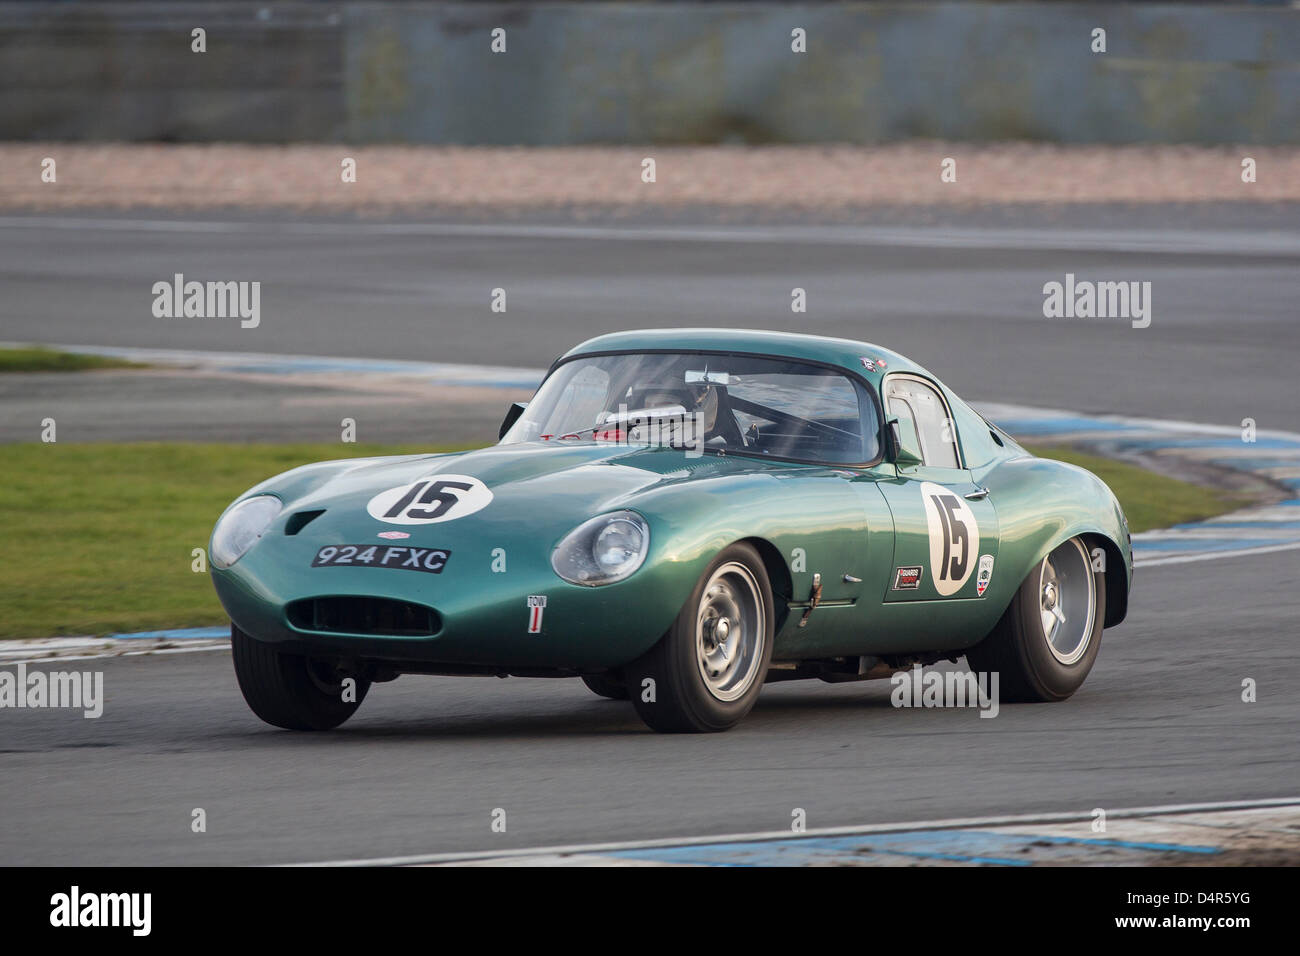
x=536 y=605
x=430 y=499
x=954 y=535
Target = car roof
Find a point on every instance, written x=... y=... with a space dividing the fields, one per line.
x=845 y=353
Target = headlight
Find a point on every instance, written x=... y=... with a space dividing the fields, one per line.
x=240 y=527
x=602 y=550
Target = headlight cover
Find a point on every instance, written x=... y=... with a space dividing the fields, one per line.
x=241 y=526
x=603 y=550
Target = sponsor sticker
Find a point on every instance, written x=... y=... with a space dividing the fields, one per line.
x=536 y=605
x=908 y=579
x=399 y=556
x=869 y=365
x=393 y=535
x=984 y=575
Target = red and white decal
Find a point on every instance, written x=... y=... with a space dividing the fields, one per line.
x=536 y=605
x=985 y=574
x=909 y=578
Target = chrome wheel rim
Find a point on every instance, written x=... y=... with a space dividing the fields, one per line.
x=730 y=632
x=1067 y=601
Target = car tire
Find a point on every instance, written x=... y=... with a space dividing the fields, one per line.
x=1045 y=644
x=290 y=690
x=705 y=674
x=605 y=685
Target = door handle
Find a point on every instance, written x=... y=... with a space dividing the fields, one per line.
x=814 y=598
x=977 y=494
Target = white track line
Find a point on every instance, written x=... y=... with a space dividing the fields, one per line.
x=447 y=373
x=1177 y=241
x=995 y=410
x=1213 y=555
x=10 y=661
x=772 y=835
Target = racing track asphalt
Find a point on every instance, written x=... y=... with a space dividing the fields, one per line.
x=427 y=760
x=964 y=300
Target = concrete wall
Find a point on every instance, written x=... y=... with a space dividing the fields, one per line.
x=664 y=73
x=124 y=71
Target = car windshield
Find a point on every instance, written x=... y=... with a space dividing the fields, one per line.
x=755 y=406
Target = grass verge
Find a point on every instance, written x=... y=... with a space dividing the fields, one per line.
x=97 y=538
x=38 y=359
x=1150 y=500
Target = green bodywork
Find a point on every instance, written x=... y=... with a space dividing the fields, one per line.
x=841 y=522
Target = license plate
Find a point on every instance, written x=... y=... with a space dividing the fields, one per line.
x=402 y=557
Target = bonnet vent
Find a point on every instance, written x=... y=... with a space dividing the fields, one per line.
x=300 y=520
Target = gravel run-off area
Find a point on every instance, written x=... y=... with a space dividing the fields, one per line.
x=822 y=180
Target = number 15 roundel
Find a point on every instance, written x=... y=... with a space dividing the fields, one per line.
x=954 y=537
x=430 y=499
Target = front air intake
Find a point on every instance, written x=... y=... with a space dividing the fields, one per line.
x=364 y=616
x=299 y=520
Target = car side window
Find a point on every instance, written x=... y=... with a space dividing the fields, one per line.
x=921 y=403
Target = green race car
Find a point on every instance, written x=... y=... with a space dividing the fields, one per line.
x=677 y=517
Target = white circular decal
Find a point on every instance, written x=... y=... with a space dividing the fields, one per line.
x=431 y=499
x=954 y=537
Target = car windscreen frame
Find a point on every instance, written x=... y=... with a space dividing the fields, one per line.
x=850 y=374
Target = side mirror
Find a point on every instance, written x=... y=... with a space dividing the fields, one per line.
x=512 y=415
x=905 y=447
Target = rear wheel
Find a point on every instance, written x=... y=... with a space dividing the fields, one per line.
x=707 y=671
x=1048 y=639
x=290 y=690
x=606 y=685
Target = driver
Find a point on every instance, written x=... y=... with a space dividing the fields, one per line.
x=694 y=398
x=701 y=400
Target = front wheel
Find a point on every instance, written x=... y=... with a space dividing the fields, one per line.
x=1047 y=641
x=707 y=671
x=292 y=691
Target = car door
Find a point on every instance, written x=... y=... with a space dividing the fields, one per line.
x=945 y=526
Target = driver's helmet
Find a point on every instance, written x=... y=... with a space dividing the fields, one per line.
x=701 y=398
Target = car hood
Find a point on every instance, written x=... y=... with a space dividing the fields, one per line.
x=535 y=485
